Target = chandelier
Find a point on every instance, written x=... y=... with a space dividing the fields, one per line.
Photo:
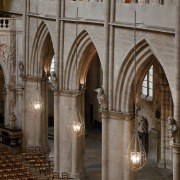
x=76 y=126
x=37 y=103
x=135 y=155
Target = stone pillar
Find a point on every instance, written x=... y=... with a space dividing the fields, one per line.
x=176 y=95
x=128 y=133
x=105 y=143
x=44 y=117
x=111 y=56
x=75 y=149
x=57 y=52
x=113 y=153
x=61 y=43
x=56 y=131
x=176 y=161
x=70 y=156
x=165 y=112
x=106 y=49
x=20 y=106
x=75 y=159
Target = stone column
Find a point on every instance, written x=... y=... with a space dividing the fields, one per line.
x=70 y=157
x=19 y=105
x=75 y=148
x=111 y=56
x=165 y=112
x=106 y=49
x=44 y=117
x=56 y=131
x=113 y=154
x=56 y=93
x=176 y=95
x=57 y=49
x=61 y=43
x=128 y=133
x=176 y=159
x=105 y=163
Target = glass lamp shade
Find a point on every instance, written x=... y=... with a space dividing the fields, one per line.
x=76 y=126
x=37 y=103
x=136 y=155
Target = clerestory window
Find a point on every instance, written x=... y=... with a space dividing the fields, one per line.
x=52 y=67
x=147 y=85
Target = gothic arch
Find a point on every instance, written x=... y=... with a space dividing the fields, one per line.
x=45 y=49
x=123 y=92
x=86 y=51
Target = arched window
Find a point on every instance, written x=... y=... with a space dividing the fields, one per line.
x=52 y=64
x=147 y=85
x=52 y=67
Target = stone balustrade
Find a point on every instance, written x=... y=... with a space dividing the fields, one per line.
x=7 y=23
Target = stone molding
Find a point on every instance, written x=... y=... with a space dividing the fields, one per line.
x=33 y=78
x=116 y=115
x=71 y=93
x=176 y=148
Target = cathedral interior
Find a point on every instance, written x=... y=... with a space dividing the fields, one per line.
x=90 y=89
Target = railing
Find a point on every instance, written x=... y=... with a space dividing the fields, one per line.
x=4 y=23
x=151 y=2
x=7 y=23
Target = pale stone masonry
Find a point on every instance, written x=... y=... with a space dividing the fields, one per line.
x=102 y=55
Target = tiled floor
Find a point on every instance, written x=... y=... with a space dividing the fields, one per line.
x=93 y=161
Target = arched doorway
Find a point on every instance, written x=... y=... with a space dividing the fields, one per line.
x=93 y=120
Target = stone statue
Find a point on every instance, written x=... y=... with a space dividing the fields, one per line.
x=21 y=69
x=101 y=97
x=172 y=127
x=53 y=78
x=143 y=125
x=12 y=121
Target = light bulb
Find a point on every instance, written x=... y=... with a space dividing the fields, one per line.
x=135 y=157
x=76 y=127
x=37 y=105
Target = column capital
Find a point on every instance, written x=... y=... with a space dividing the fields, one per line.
x=176 y=148
x=71 y=93
x=116 y=115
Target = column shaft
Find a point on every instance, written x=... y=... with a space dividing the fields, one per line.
x=176 y=149
x=104 y=148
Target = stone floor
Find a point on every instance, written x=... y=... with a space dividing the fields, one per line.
x=93 y=161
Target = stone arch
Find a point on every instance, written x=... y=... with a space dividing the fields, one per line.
x=45 y=48
x=86 y=51
x=123 y=91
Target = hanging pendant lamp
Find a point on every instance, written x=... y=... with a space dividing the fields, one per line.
x=135 y=155
x=76 y=126
x=37 y=103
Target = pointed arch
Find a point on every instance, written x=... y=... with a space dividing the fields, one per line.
x=45 y=49
x=123 y=91
x=86 y=51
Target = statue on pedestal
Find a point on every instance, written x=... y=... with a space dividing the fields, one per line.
x=172 y=127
